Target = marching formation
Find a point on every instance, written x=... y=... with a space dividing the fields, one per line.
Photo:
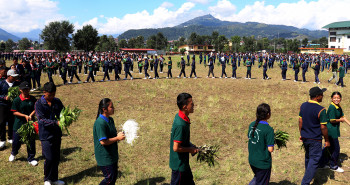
x=315 y=122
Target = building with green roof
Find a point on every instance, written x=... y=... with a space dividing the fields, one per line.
x=339 y=35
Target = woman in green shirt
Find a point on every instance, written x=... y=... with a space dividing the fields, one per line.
x=336 y=116
x=106 y=141
x=260 y=146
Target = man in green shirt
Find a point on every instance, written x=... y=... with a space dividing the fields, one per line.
x=90 y=66
x=74 y=71
x=249 y=69
x=23 y=109
x=180 y=145
x=170 y=65
x=341 y=71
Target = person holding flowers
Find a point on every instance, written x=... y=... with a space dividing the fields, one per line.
x=261 y=145
x=336 y=116
x=180 y=145
x=47 y=110
x=106 y=142
x=23 y=110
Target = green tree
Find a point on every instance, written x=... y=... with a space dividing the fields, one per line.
x=86 y=38
x=193 y=38
x=2 y=46
x=106 y=43
x=123 y=43
x=249 y=43
x=9 y=45
x=140 y=42
x=132 y=43
x=158 y=41
x=305 y=42
x=221 y=41
x=323 y=42
x=24 y=44
x=56 y=35
x=182 y=51
x=235 y=42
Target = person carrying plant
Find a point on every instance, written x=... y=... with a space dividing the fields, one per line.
x=106 y=140
x=23 y=110
x=48 y=109
x=180 y=145
x=341 y=71
x=312 y=126
x=261 y=145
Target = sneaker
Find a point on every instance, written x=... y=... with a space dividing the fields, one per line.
x=295 y=81
x=2 y=144
x=226 y=77
x=195 y=77
x=58 y=182
x=47 y=183
x=339 y=170
x=32 y=90
x=167 y=77
x=33 y=163
x=178 y=76
x=9 y=141
x=207 y=76
x=86 y=82
x=124 y=79
x=101 y=80
x=79 y=82
x=220 y=77
x=12 y=158
x=69 y=82
x=249 y=78
x=318 y=82
x=213 y=77
x=132 y=78
x=315 y=82
x=268 y=78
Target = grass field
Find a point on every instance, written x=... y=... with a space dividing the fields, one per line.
x=223 y=110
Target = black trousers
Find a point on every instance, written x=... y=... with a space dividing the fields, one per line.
x=49 y=74
x=261 y=176
x=193 y=71
x=296 y=72
x=161 y=68
x=340 y=81
x=64 y=76
x=74 y=73
x=16 y=145
x=116 y=73
x=249 y=74
x=181 y=178
x=211 y=71
x=6 y=116
x=80 y=67
x=303 y=74
x=127 y=73
x=106 y=74
x=91 y=75
x=146 y=74
x=265 y=74
x=169 y=73
x=110 y=173
x=156 y=72
x=284 y=74
x=234 y=75
x=223 y=72
x=85 y=70
x=51 y=152
x=182 y=72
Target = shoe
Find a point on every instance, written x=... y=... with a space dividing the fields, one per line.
x=246 y=78
x=86 y=82
x=132 y=78
x=9 y=141
x=12 y=158
x=315 y=82
x=167 y=77
x=339 y=170
x=226 y=77
x=124 y=79
x=268 y=78
x=58 y=182
x=220 y=77
x=47 y=183
x=145 y=78
x=33 y=163
x=295 y=81
x=32 y=90
x=249 y=78
x=101 y=80
x=195 y=77
x=69 y=82
x=213 y=77
x=207 y=76
x=2 y=144
x=79 y=82
x=318 y=82
x=178 y=76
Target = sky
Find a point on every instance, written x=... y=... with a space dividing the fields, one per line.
x=117 y=16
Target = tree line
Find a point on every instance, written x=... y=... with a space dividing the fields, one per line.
x=60 y=36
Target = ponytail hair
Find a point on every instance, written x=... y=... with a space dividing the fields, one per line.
x=104 y=103
x=262 y=112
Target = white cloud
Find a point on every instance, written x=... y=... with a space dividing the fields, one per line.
x=224 y=7
x=26 y=15
x=200 y=1
x=167 y=5
x=160 y=17
x=312 y=15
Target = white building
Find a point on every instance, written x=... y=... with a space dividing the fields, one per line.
x=339 y=35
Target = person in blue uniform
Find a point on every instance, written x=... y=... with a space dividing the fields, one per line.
x=211 y=68
x=47 y=110
x=265 y=66
x=284 y=68
x=105 y=63
x=296 y=68
x=223 y=67
x=183 y=65
x=317 y=72
x=234 y=67
x=304 y=67
x=193 y=68
x=146 y=68
x=156 y=63
x=128 y=63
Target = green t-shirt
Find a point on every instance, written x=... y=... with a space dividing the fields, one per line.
x=334 y=112
x=49 y=65
x=170 y=63
x=341 y=71
x=180 y=133
x=24 y=106
x=105 y=155
x=90 y=65
x=259 y=155
x=249 y=65
x=74 y=63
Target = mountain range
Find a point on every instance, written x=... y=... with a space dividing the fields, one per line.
x=205 y=25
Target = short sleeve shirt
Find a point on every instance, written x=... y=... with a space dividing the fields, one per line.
x=180 y=133
x=24 y=106
x=104 y=128
x=264 y=137
x=334 y=112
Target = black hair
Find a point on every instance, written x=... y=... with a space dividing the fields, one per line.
x=49 y=87
x=169 y=58
x=341 y=63
x=182 y=99
x=336 y=93
x=104 y=103
x=262 y=113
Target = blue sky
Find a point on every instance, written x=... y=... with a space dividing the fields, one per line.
x=116 y=16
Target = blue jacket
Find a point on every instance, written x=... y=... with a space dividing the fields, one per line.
x=193 y=64
x=47 y=118
x=4 y=87
x=183 y=64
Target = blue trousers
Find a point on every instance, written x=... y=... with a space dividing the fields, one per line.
x=16 y=145
x=313 y=153
x=51 y=152
x=110 y=173
x=181 y=178
x=331 y=154
x=261 y=176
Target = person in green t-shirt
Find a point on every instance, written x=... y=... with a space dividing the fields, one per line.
x=23 y=110
x=336 y=116
x=261 y=144
x=170 y=65
x=106 y=141
x=180 y=145
x=249 y=69
x=341 y=71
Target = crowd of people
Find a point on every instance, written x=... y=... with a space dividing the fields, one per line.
x=315 y=122
x=31 y=66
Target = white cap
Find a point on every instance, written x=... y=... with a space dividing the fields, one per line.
x=12 y=73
